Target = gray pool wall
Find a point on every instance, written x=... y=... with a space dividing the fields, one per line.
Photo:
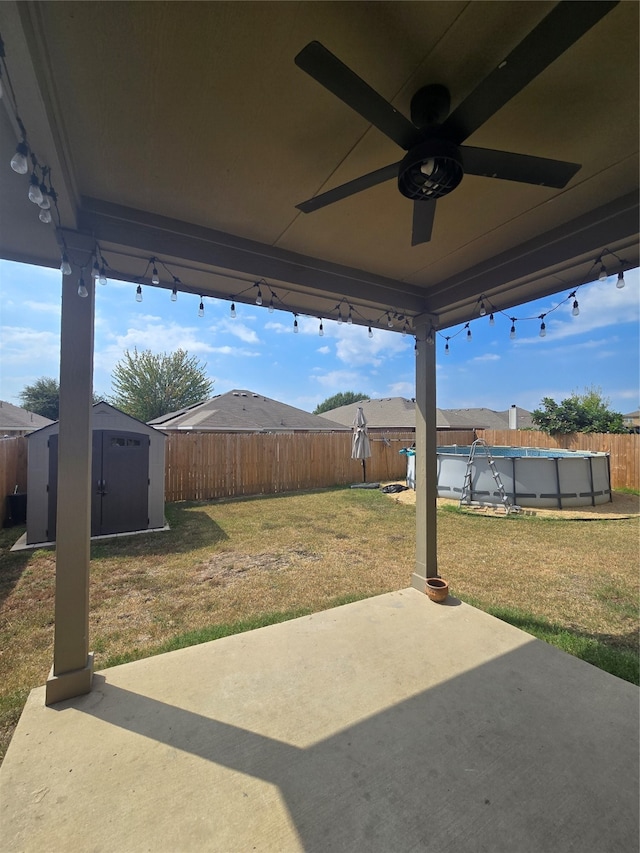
x=531 y=477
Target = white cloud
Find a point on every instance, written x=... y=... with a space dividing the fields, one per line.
x=324 y=350
x=53 y=308
x=488 y=356
x=339 y=380
x=20 y=345
x=238 y=330
x=402 y=389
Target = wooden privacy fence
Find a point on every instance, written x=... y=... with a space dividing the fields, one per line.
x=624 y=449
x=204 y=466
x=13 y=470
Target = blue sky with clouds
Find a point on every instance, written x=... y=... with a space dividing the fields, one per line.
x=258 y=350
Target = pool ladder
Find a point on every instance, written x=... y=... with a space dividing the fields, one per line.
x=466 y=497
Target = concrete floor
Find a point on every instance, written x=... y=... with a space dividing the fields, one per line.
x=392 y=724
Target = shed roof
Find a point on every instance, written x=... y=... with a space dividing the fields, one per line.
x=240 y=410
x=103 y=408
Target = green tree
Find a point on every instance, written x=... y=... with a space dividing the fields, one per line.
x=146 y=385
x=43 y=397
x=342 y=399
x=586 y=412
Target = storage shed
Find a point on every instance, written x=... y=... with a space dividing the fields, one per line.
x=127 y=476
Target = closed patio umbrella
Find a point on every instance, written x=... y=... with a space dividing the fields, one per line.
x=360 y=447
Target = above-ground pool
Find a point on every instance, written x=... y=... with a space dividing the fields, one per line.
x=531 y=476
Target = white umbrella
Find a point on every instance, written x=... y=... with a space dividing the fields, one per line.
x=360 y=447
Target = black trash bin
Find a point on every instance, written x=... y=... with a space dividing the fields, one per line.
x=16 y=509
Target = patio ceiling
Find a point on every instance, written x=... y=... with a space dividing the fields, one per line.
x=186 y=131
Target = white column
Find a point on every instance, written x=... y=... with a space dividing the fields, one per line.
x=426 y=457
x=72 y=668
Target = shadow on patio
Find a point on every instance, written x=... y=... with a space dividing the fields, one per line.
x=390 y=724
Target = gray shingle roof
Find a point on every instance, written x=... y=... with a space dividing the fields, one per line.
x=399 y=413
x=244 y=411
x=15 y=419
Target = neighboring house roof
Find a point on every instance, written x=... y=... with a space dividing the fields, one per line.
x=399 y=413
x=14 y=419
x=244 y=411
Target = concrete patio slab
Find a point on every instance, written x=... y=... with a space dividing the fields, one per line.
x=391 y=724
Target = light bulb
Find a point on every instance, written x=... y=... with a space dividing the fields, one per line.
x=44 y=216
x=45 y=204
x=174 y=294
x=576 y=308
x=95 y=270
x=405 y=329
x=201 y=309
x=321 y=330
x=512 y=333
x=35 y=195
x=65 y=266
x=19 y=162
x=102 y=278
x=492 y=321
x=139 y=293
x=389 y=322
x=469 y=336
x=543 y=330
x=447 y=351
x=620 y=281
x=295 y=327
x=370 y=333
x=339 y=317
x=272 y=307
x=602 y=275
x=82 y=288
x=233 y=309
x=259 y=297
x=155 y=278
x=431 y=338
x=349 y=318
x=483 y=310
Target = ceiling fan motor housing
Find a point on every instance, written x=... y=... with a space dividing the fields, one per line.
x=430 y=170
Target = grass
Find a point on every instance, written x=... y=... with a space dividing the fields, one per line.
x=236 y=565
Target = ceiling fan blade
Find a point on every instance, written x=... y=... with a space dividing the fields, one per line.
x=423 y=214
x=561 y=28
x=334 y=75
x=371 y=179
x=517 y=167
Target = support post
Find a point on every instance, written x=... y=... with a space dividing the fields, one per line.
x=72 y=669
x=426 y=456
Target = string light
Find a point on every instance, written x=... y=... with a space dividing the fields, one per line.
x=321 y=330
x=65 y=266
x=370 y=332
x=174 y=294
x=620 y=281
x=483 y=310
x=45 y=216
x=349 y=318
x=82 y=288
x=492 y=321
x=233 y=309
x=469 y=338
x=139 y=293
x=201 y=308
x=259 y=296
x=512 y=333
x=389 y=321
x=575 y=310
x=339 y=320
x=405 y=329
x=102 y=278
x=95 y=270
x=272 y=307
x=155 y=278
x=431 y=336
x=602 y=275
x=35 y=194
x=447 y=351
x=19 y=162
x=543 y=328
x=295 y=325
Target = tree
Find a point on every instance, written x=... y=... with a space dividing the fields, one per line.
x=43 y=397
x=146 y=385
x=586 y=412
x=342 y=399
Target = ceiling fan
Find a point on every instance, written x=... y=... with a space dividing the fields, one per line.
x=436 y=160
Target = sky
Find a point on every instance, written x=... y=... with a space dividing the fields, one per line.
x=258 y=351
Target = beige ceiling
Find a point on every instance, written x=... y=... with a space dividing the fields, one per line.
x=185 y=131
